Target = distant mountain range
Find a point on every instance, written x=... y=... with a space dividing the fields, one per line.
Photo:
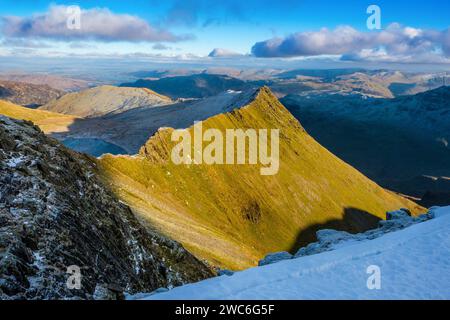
x=391 y=140
x=192 y=86
x=60 y=83
x=180 y=83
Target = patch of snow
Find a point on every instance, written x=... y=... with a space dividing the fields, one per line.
x=438 y=212
x=39 y=264
x=414 y=263
x=38 y=261
x=141 y=296
x=136 y=255
x=14 y=162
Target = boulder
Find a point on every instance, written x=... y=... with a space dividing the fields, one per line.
x=225 y=273
x=275 y=257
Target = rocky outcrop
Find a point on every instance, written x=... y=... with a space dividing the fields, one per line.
x=58 y=221
x=274 y=258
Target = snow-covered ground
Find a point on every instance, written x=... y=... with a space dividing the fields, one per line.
x=413 y=263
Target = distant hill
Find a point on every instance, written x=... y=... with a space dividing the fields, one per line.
x=49 y=122
x=105 y=100
x=391 y=140
x=56 y=82
x=326 y=74
x=367 y=83
x=29 y=95
x=232 y=216
x=184 y=83
x=246 y=73
x=191 y=86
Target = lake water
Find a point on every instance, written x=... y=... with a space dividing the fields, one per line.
x=93 y=146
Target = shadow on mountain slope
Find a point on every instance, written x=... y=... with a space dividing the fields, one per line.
x=354 y=221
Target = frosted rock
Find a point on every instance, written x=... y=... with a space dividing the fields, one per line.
x=275 y=257
x=332 y=236
x=399 y=214
x=225 y=273
x=47 y=226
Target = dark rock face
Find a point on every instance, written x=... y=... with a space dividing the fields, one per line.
x=56 y=213
x=435 y=199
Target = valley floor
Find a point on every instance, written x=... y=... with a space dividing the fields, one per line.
x=414 y=263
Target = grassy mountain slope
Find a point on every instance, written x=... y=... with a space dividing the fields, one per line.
x=232 y=216
x=49 y=122
x=104 y=100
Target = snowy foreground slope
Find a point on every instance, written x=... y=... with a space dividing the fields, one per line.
x=414 y=263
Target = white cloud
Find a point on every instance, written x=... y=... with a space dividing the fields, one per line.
x=223 y=53
x=96 y=24
x=395 y=43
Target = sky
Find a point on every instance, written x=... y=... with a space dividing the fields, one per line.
x=410 y=32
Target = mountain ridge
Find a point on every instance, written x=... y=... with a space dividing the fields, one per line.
x=238 y=212
x=105 y=100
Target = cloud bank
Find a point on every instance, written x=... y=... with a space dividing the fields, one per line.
x=96 y=24
x=396 y=43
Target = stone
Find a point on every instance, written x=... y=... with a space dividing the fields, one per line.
x=275 y=257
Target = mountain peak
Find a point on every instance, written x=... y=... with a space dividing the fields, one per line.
x=235 y=208
x=260 y=101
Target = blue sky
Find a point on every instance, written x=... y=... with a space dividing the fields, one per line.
x=195 y=27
